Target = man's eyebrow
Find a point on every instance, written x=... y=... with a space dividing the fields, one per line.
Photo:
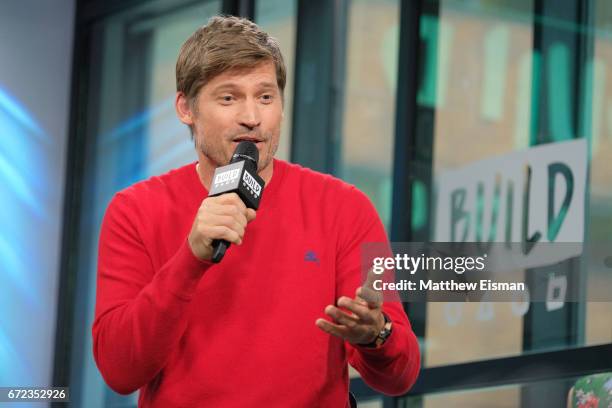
x=223 y=87
x=230 y=86
x=267 y=85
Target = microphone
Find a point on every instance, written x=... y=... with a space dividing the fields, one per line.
x=240 y=177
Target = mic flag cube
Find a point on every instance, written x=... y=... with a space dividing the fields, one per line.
x=236 y=178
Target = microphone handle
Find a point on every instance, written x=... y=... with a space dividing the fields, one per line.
x=219 y=248
x=220 y=245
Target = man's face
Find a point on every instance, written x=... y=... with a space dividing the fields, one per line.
x=237 y=105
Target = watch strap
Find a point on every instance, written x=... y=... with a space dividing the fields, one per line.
x=382 y=336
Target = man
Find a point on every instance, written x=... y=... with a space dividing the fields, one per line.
x=276 y=321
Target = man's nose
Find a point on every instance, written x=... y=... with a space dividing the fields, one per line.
x=250 y=116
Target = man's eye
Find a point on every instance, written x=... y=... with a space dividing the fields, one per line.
x=227 y=98
x=266 y=98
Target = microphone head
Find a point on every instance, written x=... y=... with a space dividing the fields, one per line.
x=246 y=150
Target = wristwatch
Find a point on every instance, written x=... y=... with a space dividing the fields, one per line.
x=383 y=335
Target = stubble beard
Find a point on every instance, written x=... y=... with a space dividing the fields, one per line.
x=219 y=157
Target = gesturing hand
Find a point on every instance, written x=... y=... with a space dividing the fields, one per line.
x=363 y=321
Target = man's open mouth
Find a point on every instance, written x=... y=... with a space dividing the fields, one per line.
x=248 y=139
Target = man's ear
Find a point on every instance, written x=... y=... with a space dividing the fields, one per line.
x=183 y=109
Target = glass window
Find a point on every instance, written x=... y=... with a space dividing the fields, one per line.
x=376 y=403
x=278 y=18
x=495 y=79
x=598 y=323
x=545 y=394
x=479 y=85
x=368 y=127
x=132 y=120
x=498 y=80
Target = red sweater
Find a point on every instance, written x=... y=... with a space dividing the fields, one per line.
x=240 y=333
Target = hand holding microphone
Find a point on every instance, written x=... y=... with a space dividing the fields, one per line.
x=234 y=196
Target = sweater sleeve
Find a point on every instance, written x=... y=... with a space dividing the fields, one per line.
x=393 y=368
x=138 y=309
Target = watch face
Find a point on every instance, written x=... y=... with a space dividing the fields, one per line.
x=384 y=334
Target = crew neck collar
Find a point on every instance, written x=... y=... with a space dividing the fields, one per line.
x=278 y=171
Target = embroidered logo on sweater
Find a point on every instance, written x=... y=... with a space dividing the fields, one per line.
x=311 y=256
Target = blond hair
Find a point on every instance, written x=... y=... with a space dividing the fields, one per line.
x=225 y=43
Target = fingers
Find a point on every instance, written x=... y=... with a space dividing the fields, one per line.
x=223 y=217
x=223 y=222
x=341 y=317
x=228 y=234
x=331 y=328
x=231 y=205
x=231 y=198
x=362 y=320
x=228 y=205
x=358 y=307
x=373 y=298
x=250 y=214
x=351 y=327
x=367 y=293
x=370 y=278
x=228 y=215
